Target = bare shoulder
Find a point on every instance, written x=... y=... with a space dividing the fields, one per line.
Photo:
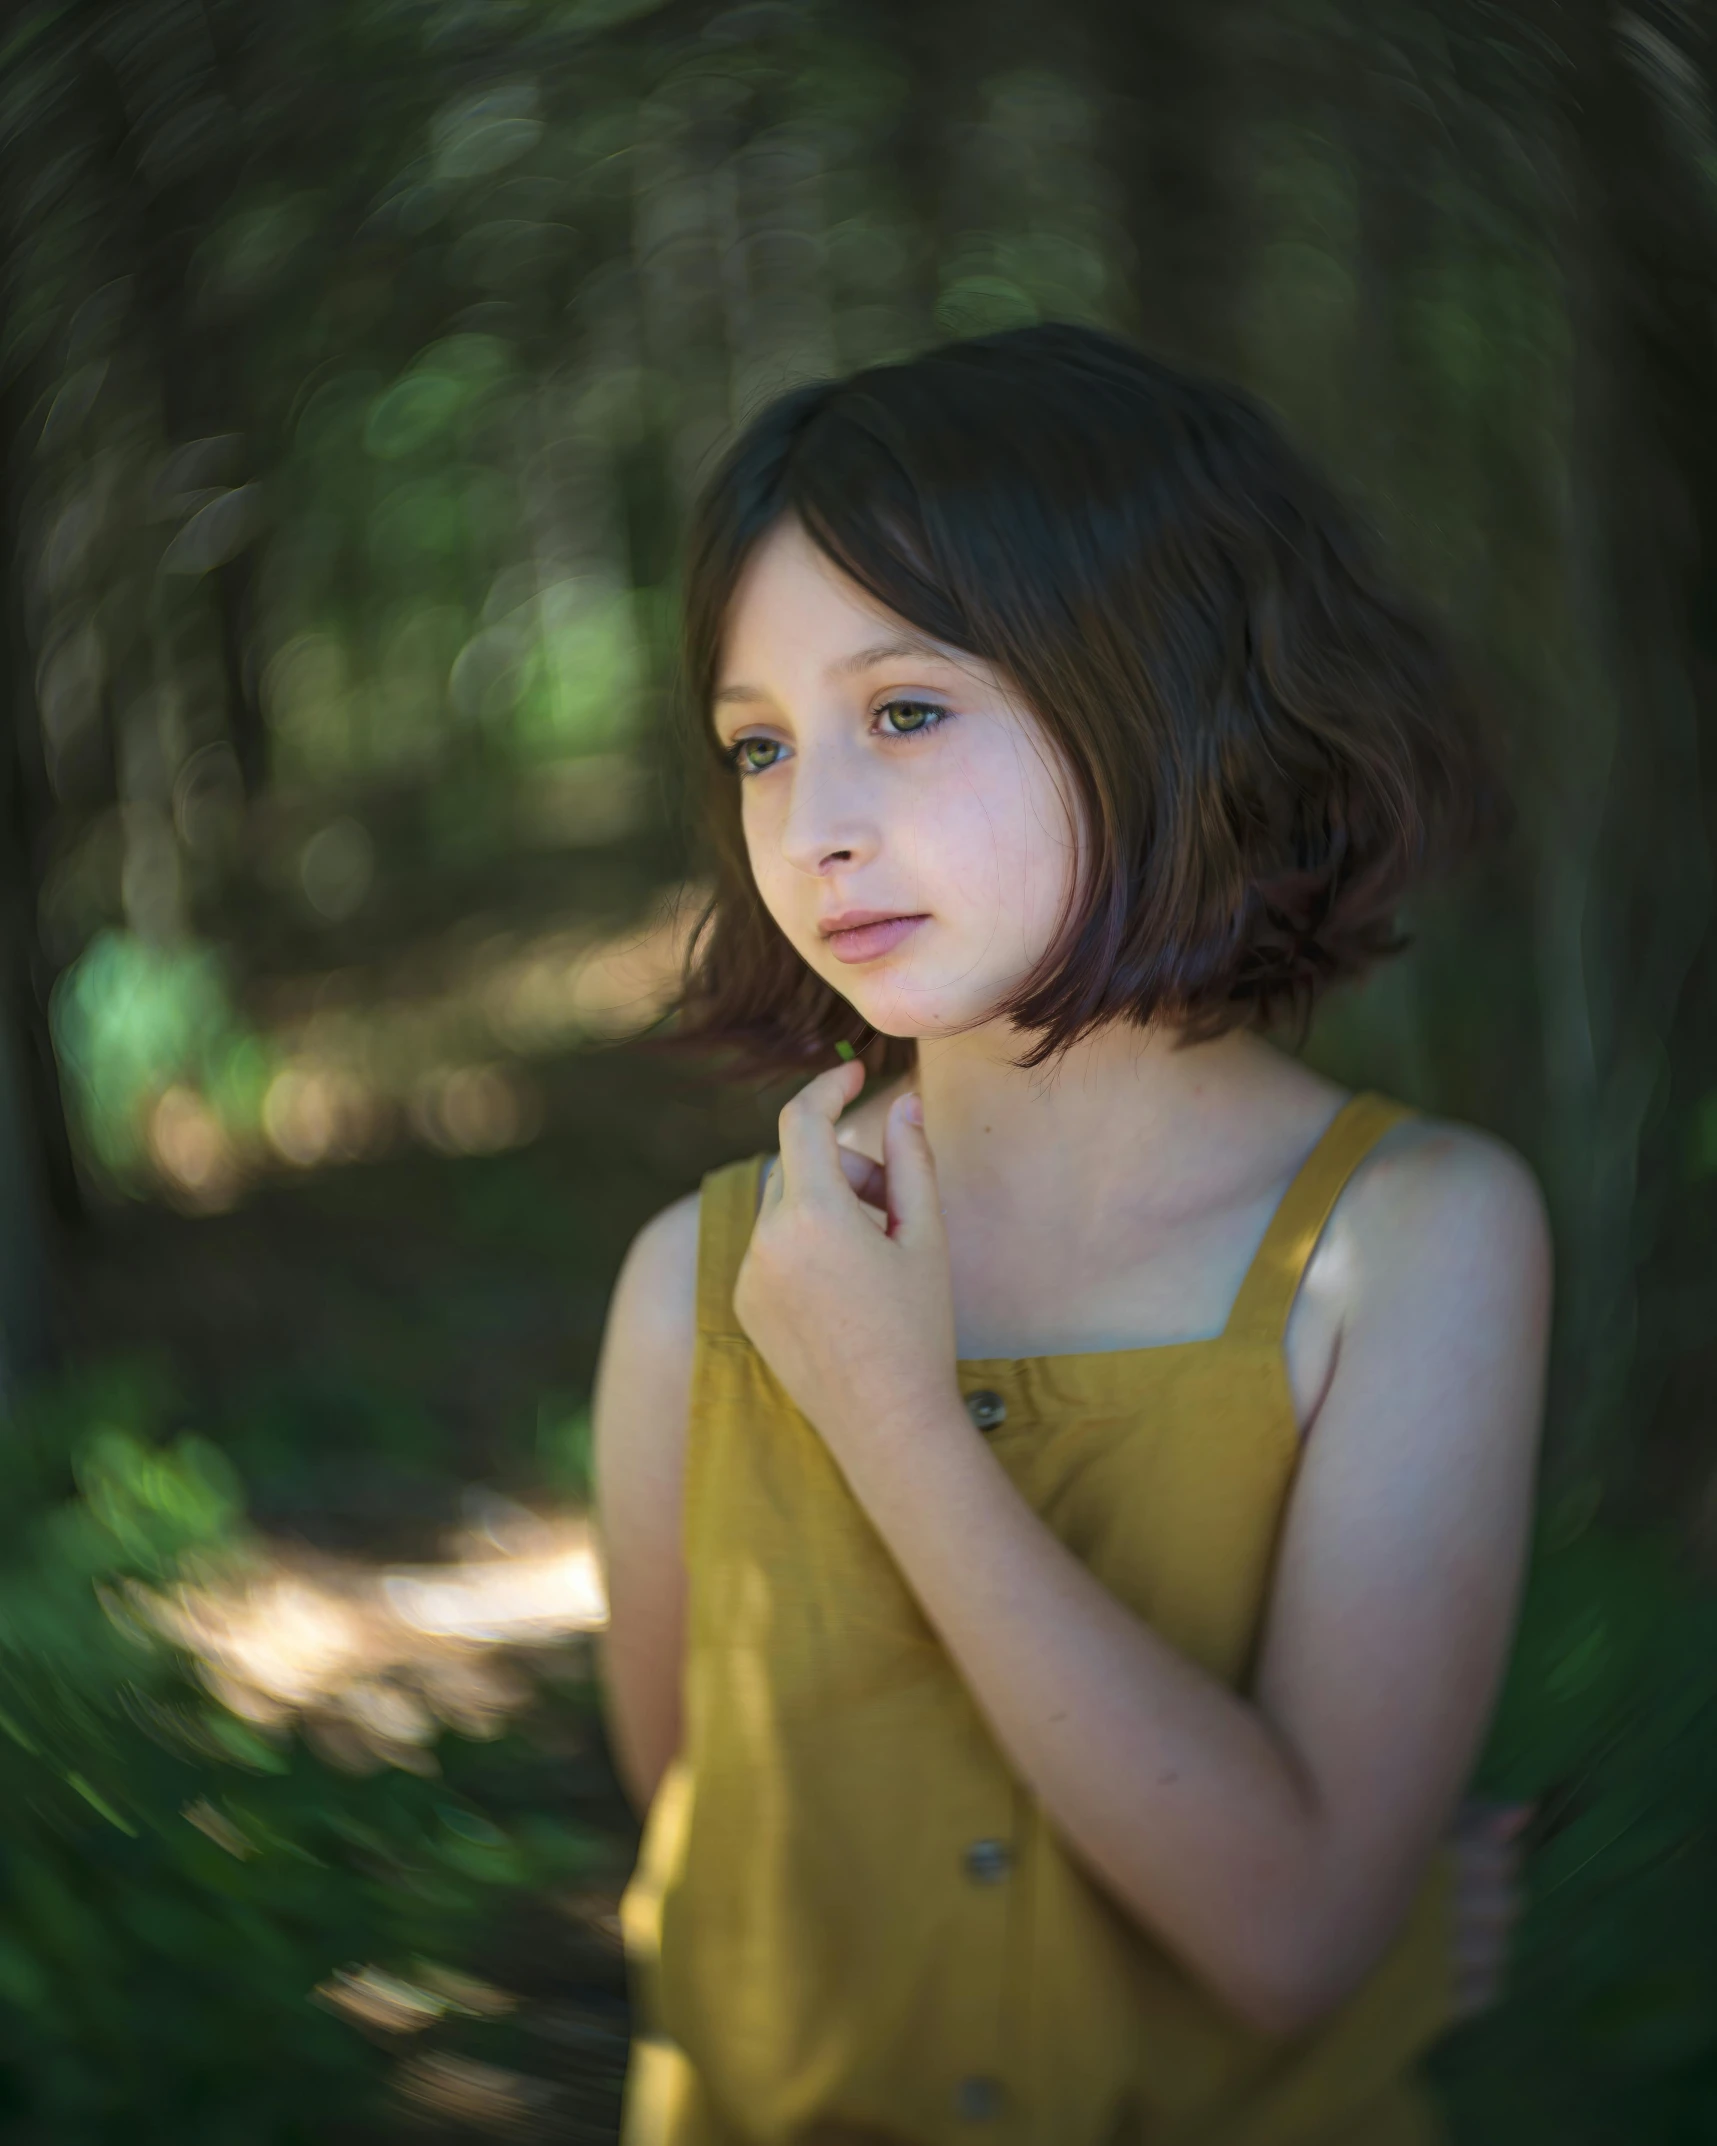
x=639 y=1416
x=643 y=1376
x=1437 y=1193
x=658 y=1281
x=1436 y=1266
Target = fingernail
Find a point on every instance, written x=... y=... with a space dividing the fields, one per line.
x=912 y=1109
x=845 y=1051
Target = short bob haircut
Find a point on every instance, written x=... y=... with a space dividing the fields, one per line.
x=1268 y=747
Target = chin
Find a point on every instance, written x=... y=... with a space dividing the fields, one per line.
x=888 y=1017
x=914 y=1021
x=913 y=1007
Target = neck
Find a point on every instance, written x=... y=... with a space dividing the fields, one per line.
x=1122 y=1101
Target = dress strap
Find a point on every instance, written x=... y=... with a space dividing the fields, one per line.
x=1272 y=1281
x=727 y=1207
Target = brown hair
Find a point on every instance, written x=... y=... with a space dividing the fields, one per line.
x=1269 y=748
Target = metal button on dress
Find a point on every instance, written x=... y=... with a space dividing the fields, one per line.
x=986 y=1409
x=979 y=2100
x=988 y=1861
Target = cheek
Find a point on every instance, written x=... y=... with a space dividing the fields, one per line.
x=1011 y=832
x=783 y=891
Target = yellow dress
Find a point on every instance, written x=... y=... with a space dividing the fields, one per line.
x=849 y=1921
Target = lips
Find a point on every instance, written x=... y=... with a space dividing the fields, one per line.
x=864 y=934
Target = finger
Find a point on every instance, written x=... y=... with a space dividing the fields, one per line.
x=1481 y=1818
x=1486 y=1951
x=1488 y=1907
x=1481 y=1962
x=1484 y=1919
x=868 y=1179
x=1475 y=1994
x=809 y=1155
x=914 y=1207
x=1486 y=1862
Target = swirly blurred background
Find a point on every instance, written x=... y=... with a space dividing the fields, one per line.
x=357 y=358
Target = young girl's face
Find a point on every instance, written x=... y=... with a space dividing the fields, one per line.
x=909 y=825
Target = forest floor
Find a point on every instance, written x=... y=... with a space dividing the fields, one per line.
x=388 y=1349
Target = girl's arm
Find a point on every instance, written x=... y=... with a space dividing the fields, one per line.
x=643 y=1387
x=1274 y=1839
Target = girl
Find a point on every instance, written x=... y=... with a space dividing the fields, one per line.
x=1065 y=1512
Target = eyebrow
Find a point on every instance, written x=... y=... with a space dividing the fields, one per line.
x=862 y=659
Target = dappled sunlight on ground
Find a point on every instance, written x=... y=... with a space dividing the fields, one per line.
x=436 y=1053
x=371 y=1661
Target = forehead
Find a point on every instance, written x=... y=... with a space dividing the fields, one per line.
x=797 y=622
x=793 y=597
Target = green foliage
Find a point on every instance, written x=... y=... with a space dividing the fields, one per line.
x=175 y=1884
x=130 y=1018
x=1609 y=1718
x=565 y=1448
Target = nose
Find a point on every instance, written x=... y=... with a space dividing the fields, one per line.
x=827 y=826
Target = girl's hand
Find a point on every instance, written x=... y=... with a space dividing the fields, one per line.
x=855 y=1321
x=1486 y=1844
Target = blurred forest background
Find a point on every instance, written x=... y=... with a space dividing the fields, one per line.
x=357 y=359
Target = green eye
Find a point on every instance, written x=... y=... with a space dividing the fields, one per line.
x=906 y=717
x=741 y=753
